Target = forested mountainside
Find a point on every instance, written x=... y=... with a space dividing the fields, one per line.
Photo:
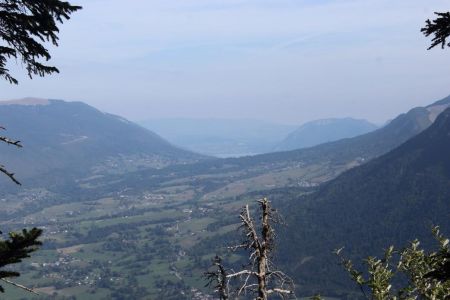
x=322 y=131
x=73 y=137
x=389 y=201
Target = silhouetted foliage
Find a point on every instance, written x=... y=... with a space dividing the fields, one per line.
x=17 y=247
x=25 y=25
x=439 y=28
x=217 y=279
x=426 y=278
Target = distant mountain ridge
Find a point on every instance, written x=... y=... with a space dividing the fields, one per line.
x=392 y=199
x=309 y=166
x=322 y=131
x=363 y=147
x=304 y=167
x=73 y=136
x=26 y=101
x=220 y=137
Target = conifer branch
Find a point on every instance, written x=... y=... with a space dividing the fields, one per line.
x=25 y=27
x=439 y=28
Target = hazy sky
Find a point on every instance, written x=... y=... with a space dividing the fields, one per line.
x=281 y=60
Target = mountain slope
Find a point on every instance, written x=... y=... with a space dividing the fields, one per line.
x=75 y=137
x=365 y=146
x=323 y=131
x=390 y=200
x=361 y=148
x=222 y=178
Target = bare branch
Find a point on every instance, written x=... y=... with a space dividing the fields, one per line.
x=279 y=291
x=234 y=248
x=240 y=273
x=249 y=229
x=260 y=278
x=245 y=285
x=19 y=286
x=10 y=141
x=10 y=175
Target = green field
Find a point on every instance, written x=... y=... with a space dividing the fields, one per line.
x=116 y=238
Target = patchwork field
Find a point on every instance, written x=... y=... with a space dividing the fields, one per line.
x=142 y=235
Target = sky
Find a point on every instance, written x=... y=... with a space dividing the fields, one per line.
x=286 y=61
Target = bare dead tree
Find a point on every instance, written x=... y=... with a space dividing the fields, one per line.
x=260 y=278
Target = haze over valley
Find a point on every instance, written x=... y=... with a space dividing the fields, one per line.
x=120 y=188
x=239 y=137
x=216 y=149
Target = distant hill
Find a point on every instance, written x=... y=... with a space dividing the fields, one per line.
x=361 y=148
x=73 y=137
x=224 y=178
x=221 y=137
x=391 y=200
x=322 y=131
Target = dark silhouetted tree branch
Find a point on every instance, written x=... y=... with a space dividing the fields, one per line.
x=9 y=141
x=439 y=28
x=25 y=25
x=13 y=250
x=218 y=279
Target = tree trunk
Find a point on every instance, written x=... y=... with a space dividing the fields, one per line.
x=262 y=260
